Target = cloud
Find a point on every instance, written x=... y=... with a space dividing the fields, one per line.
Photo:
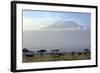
x=36 y=23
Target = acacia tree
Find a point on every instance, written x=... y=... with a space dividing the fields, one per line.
x=73 y=53
x=55 y=53
x=41 y=52
x=25 y=50
x=86 y=51
x=28 y=53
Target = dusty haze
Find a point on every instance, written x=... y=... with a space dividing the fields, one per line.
x=66 y=40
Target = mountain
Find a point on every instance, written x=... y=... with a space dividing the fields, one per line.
x=64 y=25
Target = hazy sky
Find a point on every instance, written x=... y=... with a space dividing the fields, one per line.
x=34 y=38
x=34 y=20
x=63 y=40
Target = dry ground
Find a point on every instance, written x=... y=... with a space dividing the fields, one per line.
x=67 y=57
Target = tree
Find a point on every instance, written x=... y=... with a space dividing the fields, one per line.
x=28 y=53
x=55 y=53
x=25 y=50
x=79 y=53
x=73 y=53
x=41 y=52
x=86 y=51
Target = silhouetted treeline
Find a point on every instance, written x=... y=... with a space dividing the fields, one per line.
x=53 y=53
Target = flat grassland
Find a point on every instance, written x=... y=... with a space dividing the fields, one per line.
x=45 y=58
